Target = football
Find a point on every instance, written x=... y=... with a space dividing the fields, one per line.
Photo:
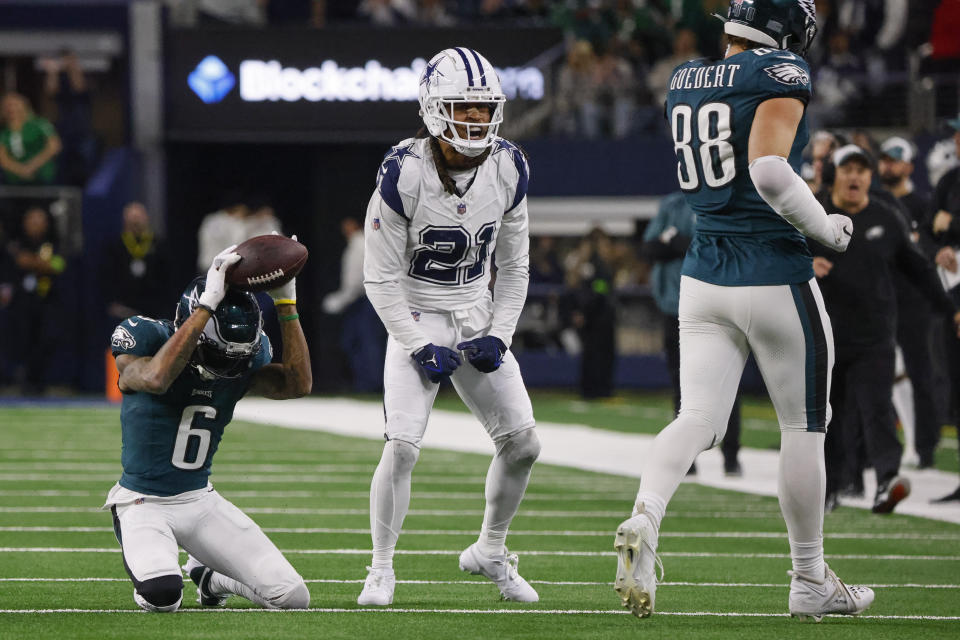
x=266 y=262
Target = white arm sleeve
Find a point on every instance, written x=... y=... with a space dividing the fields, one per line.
x=513 y=272
x=789 y=196
x=383 y=266
x=351 y=277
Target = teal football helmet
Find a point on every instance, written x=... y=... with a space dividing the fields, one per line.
x=783 y=24
x=230 y=339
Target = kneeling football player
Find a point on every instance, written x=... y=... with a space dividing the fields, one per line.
x=181 y=381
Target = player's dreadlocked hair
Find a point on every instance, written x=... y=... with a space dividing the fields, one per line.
x=449 y=184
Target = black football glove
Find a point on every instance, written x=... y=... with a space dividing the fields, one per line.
x=437 y=362
x=485 y=354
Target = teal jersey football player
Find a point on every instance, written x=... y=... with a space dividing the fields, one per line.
x=711 y=104
x=169 y=439
x=181 y=381
x=747 y=286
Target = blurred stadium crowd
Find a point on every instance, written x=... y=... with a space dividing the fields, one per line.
x=881 y=69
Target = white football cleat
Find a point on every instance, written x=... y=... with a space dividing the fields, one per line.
x=502 y=570
x=809 y=599
x=637 y=560
x=378 y=587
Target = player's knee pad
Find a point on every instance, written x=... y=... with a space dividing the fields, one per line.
x=160 y=595
x=403 y=456
x=520 y=449
x=296 y=598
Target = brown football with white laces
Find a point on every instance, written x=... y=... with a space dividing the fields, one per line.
x=266 y=262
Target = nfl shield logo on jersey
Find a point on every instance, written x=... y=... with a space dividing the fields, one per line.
x=416 y=316
x=376 y=224
x=461 y=208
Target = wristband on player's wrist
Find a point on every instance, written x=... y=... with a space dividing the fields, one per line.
x=292 y=316
x=205 y=307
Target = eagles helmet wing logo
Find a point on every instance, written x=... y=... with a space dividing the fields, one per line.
x=122 y=339
x=788 y=73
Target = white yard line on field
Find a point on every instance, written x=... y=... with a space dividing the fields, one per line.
x=769 y=535
x=577 y=446
x=391 y=610
x=580 y=554
x=554 y=583
x=526 y=513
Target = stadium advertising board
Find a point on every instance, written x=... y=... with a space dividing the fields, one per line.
x=338 y=85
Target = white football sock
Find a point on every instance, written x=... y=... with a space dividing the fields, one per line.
x=653 y=505
x=903 y=404
x=506 y=483
x=296 y=598
x=390 y=499
x=801 y=487
x=673 y=451
x=221 y=585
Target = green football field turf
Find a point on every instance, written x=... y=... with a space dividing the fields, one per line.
x=724 y=553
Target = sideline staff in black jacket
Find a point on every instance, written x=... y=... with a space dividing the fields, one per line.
x=859 y=294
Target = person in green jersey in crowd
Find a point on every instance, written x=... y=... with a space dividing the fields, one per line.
x=28 y=144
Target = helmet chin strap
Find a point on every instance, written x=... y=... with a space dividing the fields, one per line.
x=470 y=152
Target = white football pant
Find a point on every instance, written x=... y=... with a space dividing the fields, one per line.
x=499 y=399
x=208 y=527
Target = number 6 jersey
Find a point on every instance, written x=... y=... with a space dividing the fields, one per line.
x=429 y=250
x=739 y=239
x=169 y=439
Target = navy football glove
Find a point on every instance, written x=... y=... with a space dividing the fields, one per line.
x=437 y=362
x=485 y=354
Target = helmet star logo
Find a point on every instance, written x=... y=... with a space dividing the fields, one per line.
x=429 y=70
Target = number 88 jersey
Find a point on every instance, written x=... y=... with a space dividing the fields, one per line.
x=710 y=108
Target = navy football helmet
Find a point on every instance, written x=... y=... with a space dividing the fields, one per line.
x=784 y=24
x=231 y=338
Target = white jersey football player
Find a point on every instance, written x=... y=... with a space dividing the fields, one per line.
x=444 y=200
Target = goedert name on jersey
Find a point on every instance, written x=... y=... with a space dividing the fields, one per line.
x=451 y=238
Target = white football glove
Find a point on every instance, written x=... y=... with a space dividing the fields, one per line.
x=843 y=230
x=284 y=294
x=216 y=286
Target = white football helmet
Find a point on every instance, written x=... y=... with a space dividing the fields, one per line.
x=460 y=75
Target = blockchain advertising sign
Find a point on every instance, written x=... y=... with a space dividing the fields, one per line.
x=337 y=85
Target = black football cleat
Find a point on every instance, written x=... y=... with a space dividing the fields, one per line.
x=890 y=493
x=200 y=575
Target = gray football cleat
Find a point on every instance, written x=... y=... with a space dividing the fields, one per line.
x=502 y=570
x=813 y=600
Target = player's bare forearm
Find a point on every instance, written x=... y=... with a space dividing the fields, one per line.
x=155 y=374
x=294 y=377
